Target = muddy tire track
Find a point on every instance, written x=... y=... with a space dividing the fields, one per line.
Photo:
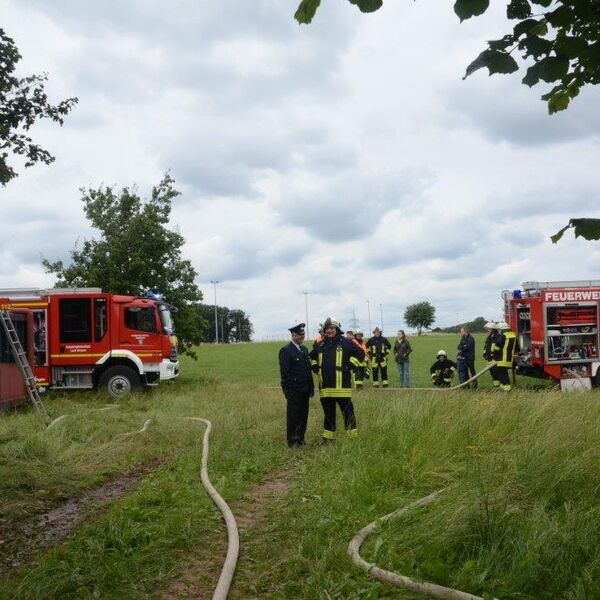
x=19 y=542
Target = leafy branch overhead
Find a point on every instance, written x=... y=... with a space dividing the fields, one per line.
x=588 y=229
x=22 y=103
x=558 y=40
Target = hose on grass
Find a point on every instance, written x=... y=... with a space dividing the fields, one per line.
x=446 y=389
x=424 y=588
x=233 y=544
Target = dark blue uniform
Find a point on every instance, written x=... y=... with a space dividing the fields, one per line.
x=297 y=385
x=466 y=359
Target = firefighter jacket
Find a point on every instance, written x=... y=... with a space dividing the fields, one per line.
x=363 y=347
x=378 y=348
x=333 y=361
x=487 y=347
x=295 y=369
x=504 y=346
x=444 y=369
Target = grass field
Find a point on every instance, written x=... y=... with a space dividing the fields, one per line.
x=520 y=517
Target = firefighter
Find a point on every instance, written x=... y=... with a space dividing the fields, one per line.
x=442 y=370
x=378 y=348
x=333 y=359
x=361 y=372
x=488 y=355
x=319 y=337
x=297 y=385
x=503 y=349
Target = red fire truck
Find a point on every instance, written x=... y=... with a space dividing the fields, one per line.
x=556 y=323
x=84 y=338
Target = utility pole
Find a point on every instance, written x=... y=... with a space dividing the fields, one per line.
x=222 y=331
x=369 y=311
x=381 y=313
x=214 y=282
x=306 y=311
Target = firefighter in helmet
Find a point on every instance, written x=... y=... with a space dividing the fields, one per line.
x=504 y=346
x=333 y=359
x=442 y=370
x=378 y=348
x=361 y=372
x=488 y=355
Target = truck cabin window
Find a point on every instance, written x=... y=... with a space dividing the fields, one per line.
x=140 y=319
x=75 y=320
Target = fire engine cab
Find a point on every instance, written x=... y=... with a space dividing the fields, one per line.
x=84 y=338
x=556 y=323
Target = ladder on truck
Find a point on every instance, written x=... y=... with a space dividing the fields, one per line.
x=23 y=364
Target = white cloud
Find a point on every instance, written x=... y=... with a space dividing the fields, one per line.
x=347 y=159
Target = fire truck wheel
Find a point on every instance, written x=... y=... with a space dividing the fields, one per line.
x=119 y=381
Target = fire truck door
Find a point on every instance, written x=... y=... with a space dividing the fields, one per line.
x=139 y=331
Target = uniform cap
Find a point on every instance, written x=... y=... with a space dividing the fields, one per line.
x=299 y=328
x=441 y=353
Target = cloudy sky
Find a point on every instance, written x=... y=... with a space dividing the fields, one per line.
x=346 y=159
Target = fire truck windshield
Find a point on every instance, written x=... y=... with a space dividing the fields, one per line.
x=166 y=319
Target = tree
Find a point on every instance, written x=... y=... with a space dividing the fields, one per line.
x=561 y=45
x=22 y=103
x=234 y=324
x=136 y=252
x=420 y=315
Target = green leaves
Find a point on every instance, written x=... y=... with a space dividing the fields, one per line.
x=22 y=103
x=367 y=6
x=518 y=9
x=306 y=11
x=496 y=61
x=588 y=229
x=465 y=9
x=307 y=8
x=561 y=43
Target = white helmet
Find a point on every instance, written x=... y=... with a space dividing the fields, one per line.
x=491 y=325
x=358 y=332
x=502 y=326
x=332 y=321
x=441 y=353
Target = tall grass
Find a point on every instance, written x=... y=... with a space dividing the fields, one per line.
x=519 y=518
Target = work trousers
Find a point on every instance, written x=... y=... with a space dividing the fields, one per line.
x=501 y=378
x=377 y=369
x=466 y=370
x=404 y=373
x=359 y=377
x=297 y=416
x=347 y=409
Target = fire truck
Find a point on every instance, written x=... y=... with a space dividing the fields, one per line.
x=556 y=323
x=84 y=338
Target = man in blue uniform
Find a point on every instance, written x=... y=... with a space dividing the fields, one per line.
x=297 y=385
x=333 y=359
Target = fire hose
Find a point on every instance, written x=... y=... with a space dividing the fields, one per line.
x=418 y=587
x=445 y=389
x=233 y=539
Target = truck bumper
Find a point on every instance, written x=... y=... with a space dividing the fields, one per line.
x=168 y=369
